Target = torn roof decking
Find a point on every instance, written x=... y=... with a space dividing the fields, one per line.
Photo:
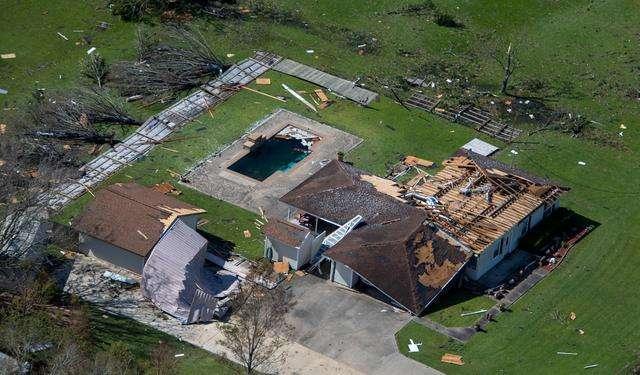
x=497 y=198
x=338 y=85
x=131 y=216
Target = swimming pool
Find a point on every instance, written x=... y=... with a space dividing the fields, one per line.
x=274 y=154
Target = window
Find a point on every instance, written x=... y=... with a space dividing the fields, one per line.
x=496 y=251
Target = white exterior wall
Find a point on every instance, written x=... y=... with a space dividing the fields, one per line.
x=510 y=241
x=342 y=274
x=297 y=257
x=110 y=253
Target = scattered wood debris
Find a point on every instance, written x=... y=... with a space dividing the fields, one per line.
x=281 y=267
x=263 y=81
x=8 y=56
x=3 y=128
x=166 y=188
x=453 y=359
x=572 y=316
x=246 y=233
x=413 y=161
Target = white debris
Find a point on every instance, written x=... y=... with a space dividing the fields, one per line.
x=531 y=116
x=514 y=152
x=623 y=126
x=621 y=134
x=509 y=110
x=62 y=36
x=91 y=50
x=591 y=366
x=582 y=163
x=474 y=312
x=448 y=80
x=566 y=353
x=310 y=51
x=414 y=347
x=179 y=355
x=230 y=54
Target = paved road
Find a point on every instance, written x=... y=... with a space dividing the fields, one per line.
x=349 y=327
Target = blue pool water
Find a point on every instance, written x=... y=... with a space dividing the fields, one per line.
x=272 y=155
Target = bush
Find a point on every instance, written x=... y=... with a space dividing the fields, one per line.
x=447 y=20
x=129 y=10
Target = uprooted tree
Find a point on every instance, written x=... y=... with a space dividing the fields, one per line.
x=183 y=60
x=73 y=116
x=255 y=333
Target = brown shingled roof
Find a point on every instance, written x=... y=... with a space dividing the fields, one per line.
x=285 y=232
x=131 y=216
x=393 y=249
x=339 y=191
x=408 y=261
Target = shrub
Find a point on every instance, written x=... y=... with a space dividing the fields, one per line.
x=447 y=20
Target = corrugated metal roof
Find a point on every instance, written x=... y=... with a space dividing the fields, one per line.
x=171 y=274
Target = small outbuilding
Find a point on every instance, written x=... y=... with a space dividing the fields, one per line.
x=125 y=221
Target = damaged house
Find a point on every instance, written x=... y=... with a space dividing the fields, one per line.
x=485 y=204
x=392 y=248
x=411 y=242
x=155 y=236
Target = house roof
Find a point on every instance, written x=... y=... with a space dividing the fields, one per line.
x=392 y=249
x=131 y=216
x=171 y=273
x=479 y=199
x=405 y=259
x=285 y=232
x=339 y=191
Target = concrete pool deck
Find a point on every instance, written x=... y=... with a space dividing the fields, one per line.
x=212 y=176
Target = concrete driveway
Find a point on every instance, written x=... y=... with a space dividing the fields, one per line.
x=349 y=327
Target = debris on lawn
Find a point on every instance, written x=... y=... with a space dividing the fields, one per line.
x=263 y=81
x=3 y=128
x=413 y=161
x=581 y=332
x=246 y=233
x=133 y=98
x=474 y=312
x=61 y=35
x=590 y=366
x=119 y=278
x=310 y=51
x=230 y=54
x=265 y=94
x=3 y=91
x=300 y=98
x=572 y=316
x=622 y=126
x=453 y=359
x=566 y=353
x=414 y=347
x=166 y=188
x=582 y=163
x=179 y=355
x=514 y=152
x=8 y=56
x=91 y=50
x=281 y=267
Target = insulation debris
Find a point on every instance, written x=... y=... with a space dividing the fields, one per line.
x=413 y=346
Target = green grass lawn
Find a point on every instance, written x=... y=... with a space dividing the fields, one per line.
x=587 y=51
x=139 y=339
x=447 y=309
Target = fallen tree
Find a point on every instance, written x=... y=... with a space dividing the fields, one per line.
x=163 y=69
